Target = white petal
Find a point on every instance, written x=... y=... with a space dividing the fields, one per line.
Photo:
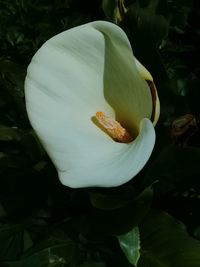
x=75 y=74
x=124 y=87
x=113 y=165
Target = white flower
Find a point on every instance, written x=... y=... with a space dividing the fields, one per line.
x=74 y=75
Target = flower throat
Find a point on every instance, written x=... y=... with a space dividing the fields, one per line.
x=113 y=128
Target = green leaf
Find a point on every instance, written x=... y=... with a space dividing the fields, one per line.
x=9 y=134
x=27 y=241
x=109 y=7
x=92 y=264
x=130 y=244
x=50 y=253
x=166 y=243
x=12 y=241
x=121 y=220
x=112 y=199
x=144 y=27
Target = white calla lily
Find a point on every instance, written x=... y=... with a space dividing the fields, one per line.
x=75 y=74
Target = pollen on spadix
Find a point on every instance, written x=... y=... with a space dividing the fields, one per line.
x=113 y=128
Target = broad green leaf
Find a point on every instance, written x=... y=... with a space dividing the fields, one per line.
x=166 y=243
x=130 y=244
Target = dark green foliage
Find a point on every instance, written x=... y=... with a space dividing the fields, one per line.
x=157 y=240
x=165 y=242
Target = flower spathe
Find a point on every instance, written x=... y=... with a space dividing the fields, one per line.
x=74 y=75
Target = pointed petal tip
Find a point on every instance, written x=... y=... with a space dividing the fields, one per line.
x=143 y=71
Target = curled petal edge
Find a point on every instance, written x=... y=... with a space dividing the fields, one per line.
x=123 y=168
